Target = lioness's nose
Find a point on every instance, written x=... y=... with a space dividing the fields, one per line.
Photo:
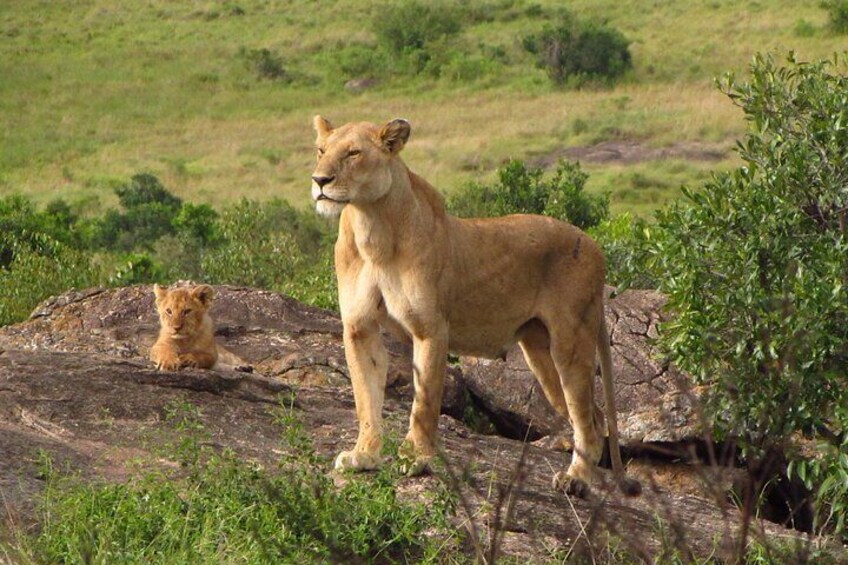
x=321 y=181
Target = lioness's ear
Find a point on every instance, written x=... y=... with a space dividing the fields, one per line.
x=395 y=134
x=160 y=292
x=203 y=293
x=322 y=127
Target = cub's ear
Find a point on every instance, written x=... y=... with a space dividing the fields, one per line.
x=203 y=293
x=322 y=127
x=395 y=134
x=160 y=292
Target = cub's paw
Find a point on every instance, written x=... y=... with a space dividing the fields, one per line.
x=571 y=486
x=356 y=461
x=168 y=363
x=189 y=363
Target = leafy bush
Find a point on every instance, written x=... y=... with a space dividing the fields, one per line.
x=265 y=64
x=837 y=11
x=409 y=26
x=39 y=255
x=40 y=267
x=756 y=266
x=273 y=246
x=524 y=190
x=159 y=238
x=625 y=242
x=255 y=252
x=149 y=213
x=574 y=50
x=356 y=61
x=417 y=35
x=23 y=228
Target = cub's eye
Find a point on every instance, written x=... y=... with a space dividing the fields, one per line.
x=320 y=152
x=188 y=310
x=354 y=153
x=168 y=311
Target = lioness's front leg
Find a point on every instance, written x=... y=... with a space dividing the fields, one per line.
x=428 y=371
x=367 y=361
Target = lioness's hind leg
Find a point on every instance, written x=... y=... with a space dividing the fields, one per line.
x=535 y=343
x=573 y=354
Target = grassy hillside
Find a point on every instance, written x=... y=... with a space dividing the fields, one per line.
x=91 y=93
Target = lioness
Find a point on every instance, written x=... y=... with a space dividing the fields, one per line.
x=186 y=333
x=472 y=287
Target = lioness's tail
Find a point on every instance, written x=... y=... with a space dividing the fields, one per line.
x=630 y=487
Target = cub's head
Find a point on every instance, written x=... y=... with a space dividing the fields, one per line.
x=354 y=162
x=181 y=310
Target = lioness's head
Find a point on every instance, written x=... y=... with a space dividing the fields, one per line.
x=353 y=162
x=181 y=310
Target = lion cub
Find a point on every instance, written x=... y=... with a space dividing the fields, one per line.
x=186 y=334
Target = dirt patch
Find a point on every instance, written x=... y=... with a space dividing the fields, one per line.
x=628 y=152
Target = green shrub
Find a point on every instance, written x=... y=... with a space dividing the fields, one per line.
x=145 y=188
x=756 y=266
x=197 y=222
x=265 y=64
x=524 y=190
x=40 y=267
x=159 y=238
x=574 y=51
x=137 y=268
x=837 y=11
x=149 y=213
x=625 y=240
x=256 y=251
x=356 y=61
x=24 y=228
x=314 y=281
x=416 y=35
x=409 y=26
x=40 y=255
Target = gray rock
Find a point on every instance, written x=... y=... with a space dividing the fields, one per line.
x=357 y=85
x=102 y=414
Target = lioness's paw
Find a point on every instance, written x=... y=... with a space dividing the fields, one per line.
x=572 y=486
x=416 y=467
x=356 y=461
x=413 y=463
x=630 y=487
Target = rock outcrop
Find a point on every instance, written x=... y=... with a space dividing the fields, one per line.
x=75 y=382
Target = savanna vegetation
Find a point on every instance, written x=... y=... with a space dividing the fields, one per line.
x=181 y=150
x=215 y=98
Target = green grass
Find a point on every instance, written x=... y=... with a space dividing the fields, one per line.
x=219 y=508
x=92 y=93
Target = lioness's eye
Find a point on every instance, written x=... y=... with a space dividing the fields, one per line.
x=188 y=311
x=353 y=152
x=168 y=311
x=320 y=152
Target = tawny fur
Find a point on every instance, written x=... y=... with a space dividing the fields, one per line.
x=186 y=334
x=471 y=287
